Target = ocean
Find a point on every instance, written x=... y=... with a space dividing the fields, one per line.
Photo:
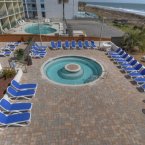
x=124 y=7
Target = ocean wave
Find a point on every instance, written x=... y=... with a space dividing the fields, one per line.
x=138 y=12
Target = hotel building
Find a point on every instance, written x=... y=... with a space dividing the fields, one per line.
x=50 y=8
x=10 y=12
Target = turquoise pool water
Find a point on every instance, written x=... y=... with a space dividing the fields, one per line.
x=87 y=70
x=39 y=29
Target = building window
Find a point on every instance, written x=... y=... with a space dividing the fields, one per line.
x=43 y=14
x=61 y=1
x=33 y=5
x=42 y=5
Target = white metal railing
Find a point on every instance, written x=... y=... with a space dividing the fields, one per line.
x=10 y=11
x=32 y=9
x=30 y=1
x=3 y=11
x=6 y=25
x=16 y=10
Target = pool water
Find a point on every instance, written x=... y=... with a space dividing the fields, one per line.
x=87 y=70
x=39 y=29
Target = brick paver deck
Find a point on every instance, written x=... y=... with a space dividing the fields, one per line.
x=106 y=113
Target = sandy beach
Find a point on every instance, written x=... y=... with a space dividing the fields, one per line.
x=110 y=15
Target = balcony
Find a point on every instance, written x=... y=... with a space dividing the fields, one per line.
x=13 y=23
x=3 y=14
x=32 y=9
x=6 y=25
x=42 y=9
x=10 y=11
x=31 y=1
x=21 y=9
x=16 y=10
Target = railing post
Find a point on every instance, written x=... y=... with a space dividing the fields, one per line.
x=101 y=32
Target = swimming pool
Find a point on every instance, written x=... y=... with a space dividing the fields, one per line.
x=72 y=70
x=39 y=29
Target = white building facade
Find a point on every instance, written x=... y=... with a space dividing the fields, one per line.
x=50 y=8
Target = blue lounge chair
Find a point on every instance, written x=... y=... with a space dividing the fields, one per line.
x=8 y=107
x=53 y=45
x=93 y=45
x=114 y=52
x=12 y=47
x=133 y=69
x=143 y=87
x=87 y=44
x=20 y=87
x=67 y=44
x=122 y=57
x=39 y=46
x=18 y=119
x=38 y=49
x=73 y=44
x=5 y=53
x=39 y=52
x=130 y=64
x=59 y=44
x=120 y=62
x=137 y=74
x=118 y=55
x=140 y=80
x=17 y=43
x=80 y=44
x=26 y=94
x=37 y=55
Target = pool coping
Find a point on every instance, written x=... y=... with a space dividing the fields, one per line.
x=69 y=85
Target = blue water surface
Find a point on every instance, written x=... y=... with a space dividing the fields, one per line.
x=39 y=29
x=55 y=70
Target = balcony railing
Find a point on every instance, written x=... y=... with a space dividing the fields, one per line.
x=16 y=10
x=31 y=1
x=2 y=7
x=21 y=9
x=3 y=14
x=42 y=9
x=10 y=11
x=32 y=9
x=13 y=24
x=5 y=26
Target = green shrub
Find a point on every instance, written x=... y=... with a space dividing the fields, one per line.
x=9 y=73
x=19 y=54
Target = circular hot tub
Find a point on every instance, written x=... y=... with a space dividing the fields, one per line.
x=72 y=70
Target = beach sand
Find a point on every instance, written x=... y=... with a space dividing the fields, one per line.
x=110 y=15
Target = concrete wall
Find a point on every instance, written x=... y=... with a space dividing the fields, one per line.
x=45 y=38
